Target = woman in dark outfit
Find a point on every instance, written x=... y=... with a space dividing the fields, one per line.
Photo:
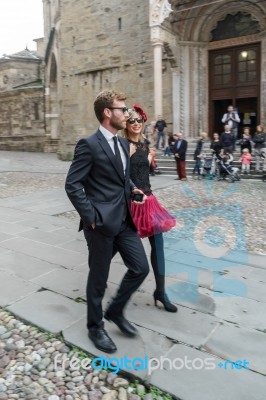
x=245 y=141
x=198 y=154
x=216 y=144
x=151 y=219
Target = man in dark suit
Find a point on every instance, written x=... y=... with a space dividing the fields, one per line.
x=227 y=140
x=99 y=187
x=231 y=118
x=179 y=151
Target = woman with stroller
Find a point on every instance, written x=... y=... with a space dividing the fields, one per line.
x=151 y=218
x=198 y=155
x=215 y=147
x=216 y=144
x=224 y=162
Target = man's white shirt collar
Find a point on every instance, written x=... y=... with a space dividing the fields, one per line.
x=107 y=134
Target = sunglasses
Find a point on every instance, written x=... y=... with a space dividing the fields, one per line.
x=131 y=121
x=123 y=109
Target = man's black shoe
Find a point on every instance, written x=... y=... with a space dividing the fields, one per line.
x=102 y=341
x=123 y=324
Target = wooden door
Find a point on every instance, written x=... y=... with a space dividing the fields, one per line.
x=234 y=75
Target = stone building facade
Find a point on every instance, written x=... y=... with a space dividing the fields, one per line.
x=21 y=102
x=186 y=60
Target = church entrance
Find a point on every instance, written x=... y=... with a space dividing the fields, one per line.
x=234 y=79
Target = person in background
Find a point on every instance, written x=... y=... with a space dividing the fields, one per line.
x=216 y=144
x=259 y=140
x=172 y=138
x=245 y=141
x=160 y=128
x=151 y=219
x=227 y=140
x=199 y=154
x=149 y=133
x=231 y=118
x=180 y=149
x=215 y=147
x=245 y=160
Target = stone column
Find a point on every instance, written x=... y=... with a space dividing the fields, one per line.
x=176 y=99
x=263 y=82
x=159 y=11
x=158 y=86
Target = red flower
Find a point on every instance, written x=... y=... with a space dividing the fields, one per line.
x=140 y=111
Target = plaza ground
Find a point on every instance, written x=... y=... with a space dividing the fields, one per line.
x=216 y=274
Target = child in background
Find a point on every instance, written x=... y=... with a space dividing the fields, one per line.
x=246 y=161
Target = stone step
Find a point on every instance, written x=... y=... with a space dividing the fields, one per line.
x=170 y=161
x=166 y=166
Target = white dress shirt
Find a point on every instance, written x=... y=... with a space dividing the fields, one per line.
x=230 y=122
x=109 y=137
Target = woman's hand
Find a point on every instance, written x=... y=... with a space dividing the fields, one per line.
x=138 y=191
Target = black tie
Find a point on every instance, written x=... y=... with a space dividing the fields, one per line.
x=118 y=157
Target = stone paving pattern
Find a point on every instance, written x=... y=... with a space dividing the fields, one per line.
x=43 y=273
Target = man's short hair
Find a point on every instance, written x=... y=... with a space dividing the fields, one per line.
x=105 y=99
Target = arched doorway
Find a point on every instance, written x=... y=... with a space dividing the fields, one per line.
x=234 y=73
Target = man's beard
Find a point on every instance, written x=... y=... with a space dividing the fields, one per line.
x=117 y=125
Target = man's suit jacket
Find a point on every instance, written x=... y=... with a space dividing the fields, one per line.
x=96 y=188
x=227 y=139
x=181 y=150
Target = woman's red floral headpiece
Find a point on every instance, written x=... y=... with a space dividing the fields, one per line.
x=140 y=111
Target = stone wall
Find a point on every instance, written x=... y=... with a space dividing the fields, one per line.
x=22 y=120
x=51 y=15
x=14 y=73
x=104 y=45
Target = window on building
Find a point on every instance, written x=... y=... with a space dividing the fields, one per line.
x=235 y=66
x=247 y=66
x=36 y=111
x=222 y=69
x=119 y=24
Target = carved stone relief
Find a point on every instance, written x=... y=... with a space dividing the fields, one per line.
x=159 y=11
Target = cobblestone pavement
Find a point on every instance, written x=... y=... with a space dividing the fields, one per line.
x=247 y=197
x=24 y=173
x=31 y=368
x=196 y=198
x=18 y=183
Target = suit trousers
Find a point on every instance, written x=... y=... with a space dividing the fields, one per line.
x=157 y=262
x=101 y=249
x=181 y=168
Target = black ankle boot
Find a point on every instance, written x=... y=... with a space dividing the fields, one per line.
x=168 y=306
